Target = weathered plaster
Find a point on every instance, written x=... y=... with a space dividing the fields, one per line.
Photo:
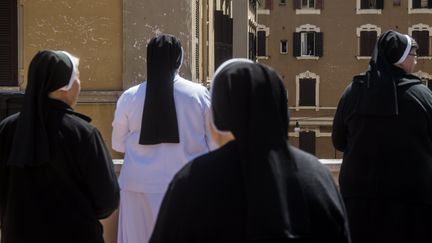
x=142 y=20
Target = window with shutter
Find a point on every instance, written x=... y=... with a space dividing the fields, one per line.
x=367 y=42
x=307 y=92
x=307 y=141
x=8 y=43
x=422 y=39
x=307 y=4
x=307 y=42
x=261 y=50
x=269 y=4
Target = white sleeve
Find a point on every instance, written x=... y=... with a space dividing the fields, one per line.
x=120 y=125
x=211 y=143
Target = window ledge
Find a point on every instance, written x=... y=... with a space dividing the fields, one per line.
x=307 y=58
x=419 y=11
x=363 y=57
x=425 y=58
x=316 y=108
x=9 y=88
x=308 y=11
x=262 y=57
x=369 y=11
x=264 y=11
x=283 y=53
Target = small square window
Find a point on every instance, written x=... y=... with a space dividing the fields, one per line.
x=283 y=46
x=396 y=2
x=282 y=2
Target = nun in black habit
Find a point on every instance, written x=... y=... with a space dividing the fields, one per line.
x=256 y=188
x=56 y=174
x=383 y=125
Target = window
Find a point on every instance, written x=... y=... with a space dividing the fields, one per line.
x=369 y=6
x=307 y=87
x=8 y=43
x=307 y=42
x=283 y=46
x=419 y=6
x=262 y=42
x=367 y=42
x=282 y=2
x=307 y=141
x=269 y=4
x=223 y=37
x=367 y=36
x=396 y=2
x=422 y=34
x=308 y=6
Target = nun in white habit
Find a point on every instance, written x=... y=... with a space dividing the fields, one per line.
x=159 y=125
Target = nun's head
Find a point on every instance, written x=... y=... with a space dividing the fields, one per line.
x=398 y=49
x=54 y=74
x=249 y=98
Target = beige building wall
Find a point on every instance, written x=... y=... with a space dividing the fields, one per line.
x=90 y=30
x=338 y=21
x=143 y=20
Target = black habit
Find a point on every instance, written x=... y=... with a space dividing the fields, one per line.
x=256 y=188
x=60 y=195
x=383 y=125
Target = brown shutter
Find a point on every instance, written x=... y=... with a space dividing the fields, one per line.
x=8 y=43
x=307 y=92
x=380 y=4
x=296 y=4
x=319 y=44
x=218 y=38
x=261 y=44
x=269 y=4
x=319 y=4
x=367 y=42
x=307 y=142
x=296 y=44
x=422 y=39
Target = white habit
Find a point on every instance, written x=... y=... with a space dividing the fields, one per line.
x=148 y=169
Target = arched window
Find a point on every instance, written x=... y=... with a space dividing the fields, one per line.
x=367 y=36
x=422 y=34
x=308 y=42
x=307 y=91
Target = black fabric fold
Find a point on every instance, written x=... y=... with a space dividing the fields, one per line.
x=250 y=101
x=48 y=71
x=159 y=119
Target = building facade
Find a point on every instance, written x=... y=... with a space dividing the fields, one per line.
x=317 y=46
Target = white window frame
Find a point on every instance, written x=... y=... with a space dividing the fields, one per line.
x=307 y=75
x=280 y=47
x=366 y=11
x=366 y=27
x=307 y=28
x=308 y=10
x=422 y=27
x=412 y=10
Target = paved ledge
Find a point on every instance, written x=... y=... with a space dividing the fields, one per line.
x=332 y=164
